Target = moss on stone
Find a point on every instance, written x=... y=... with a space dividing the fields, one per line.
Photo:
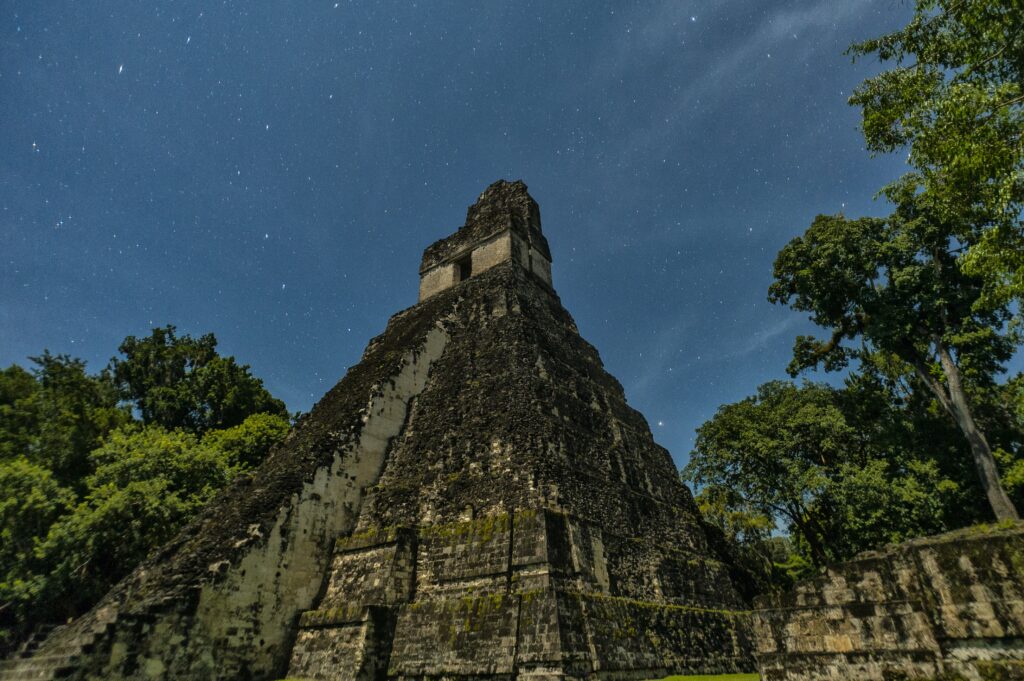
x=480 y=531
x=1001 y=670
x=599 y=597
x=714 y=677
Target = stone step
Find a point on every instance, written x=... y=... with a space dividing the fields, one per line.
x=32 y=643
x=39 y=667
x=63 y=657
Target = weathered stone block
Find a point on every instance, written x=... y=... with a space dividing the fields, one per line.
x=355 y=644
x=949 y=606
x=453 y=555
x=473 y=636
x=362 y=573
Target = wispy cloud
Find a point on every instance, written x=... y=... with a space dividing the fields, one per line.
x=761 y=338
x=695 y=72
x=662 y=360
x=661 y=354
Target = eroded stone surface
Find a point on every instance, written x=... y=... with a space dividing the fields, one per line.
x=507 y=595
x=502 y=226
x=950 y=605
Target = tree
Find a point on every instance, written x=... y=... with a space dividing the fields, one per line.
x=791 y=454
x=148 y=483
x=247 y=444
x=183 y=383
x=770 y=453
x=56 y=415
x=31 y=500
x=86 y=492
x=953 y=100
x=896 y=419
x=894 y=285
x=746 y=528
x=1013 y=398
x=19 y=418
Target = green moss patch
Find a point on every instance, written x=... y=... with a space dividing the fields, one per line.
x=715 y=677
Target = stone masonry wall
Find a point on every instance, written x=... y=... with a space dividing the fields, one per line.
x=371 y=568
x=531 y=436
x=438 y=279
x=567 y=633
x=502 y=226
x=948 y=607
x=504 y=247
x=503 y=206
x=531 y=419
x=522 y=594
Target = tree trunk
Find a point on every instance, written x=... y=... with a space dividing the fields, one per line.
x=956 y=404
x=818 y=556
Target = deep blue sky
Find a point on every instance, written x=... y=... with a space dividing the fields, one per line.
x=272 y=171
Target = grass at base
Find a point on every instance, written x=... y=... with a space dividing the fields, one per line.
x=718 y=677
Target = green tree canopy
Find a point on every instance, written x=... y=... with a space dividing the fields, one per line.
x=147 y=484
x=87 y=492
x=894 y=286
x=181 y=382
x=247 y=444
x=56 y=415
x=790 y=453
x=31 y=500
x=954 y=100
x=19 y=413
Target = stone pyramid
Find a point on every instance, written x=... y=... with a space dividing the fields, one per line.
x=474 y=499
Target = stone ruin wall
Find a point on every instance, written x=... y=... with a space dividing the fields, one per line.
x=523 y=594
x=470 y=556
x=946 y=607
x=484 y=255
x=413 y=527
x=544 y=594
x=567 y=441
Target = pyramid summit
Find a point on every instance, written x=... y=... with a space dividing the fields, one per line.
x=474 y=499
x=503 y=225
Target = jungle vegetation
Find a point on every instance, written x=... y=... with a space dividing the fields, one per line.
x=921 y=309
x=98 y=470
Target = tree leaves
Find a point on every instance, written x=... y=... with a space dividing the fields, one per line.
x=86 y=492
x=954 y=100
x=842 y=471
x=183 y=383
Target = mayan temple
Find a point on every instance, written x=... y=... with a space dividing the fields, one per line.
x=474 y=499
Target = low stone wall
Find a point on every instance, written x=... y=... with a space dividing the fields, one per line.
x=944 y=607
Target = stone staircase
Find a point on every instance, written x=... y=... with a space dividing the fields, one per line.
x=65 y=644
x=31 y=645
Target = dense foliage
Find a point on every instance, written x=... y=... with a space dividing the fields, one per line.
x=97 y=471
x=920 y=310
x=840 y=470
x=953 y=100
x=894 y=286
x=183 y=383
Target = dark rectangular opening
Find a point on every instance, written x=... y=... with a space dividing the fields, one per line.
x=465 y=267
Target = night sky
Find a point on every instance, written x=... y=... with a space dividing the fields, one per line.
x=272 y=172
